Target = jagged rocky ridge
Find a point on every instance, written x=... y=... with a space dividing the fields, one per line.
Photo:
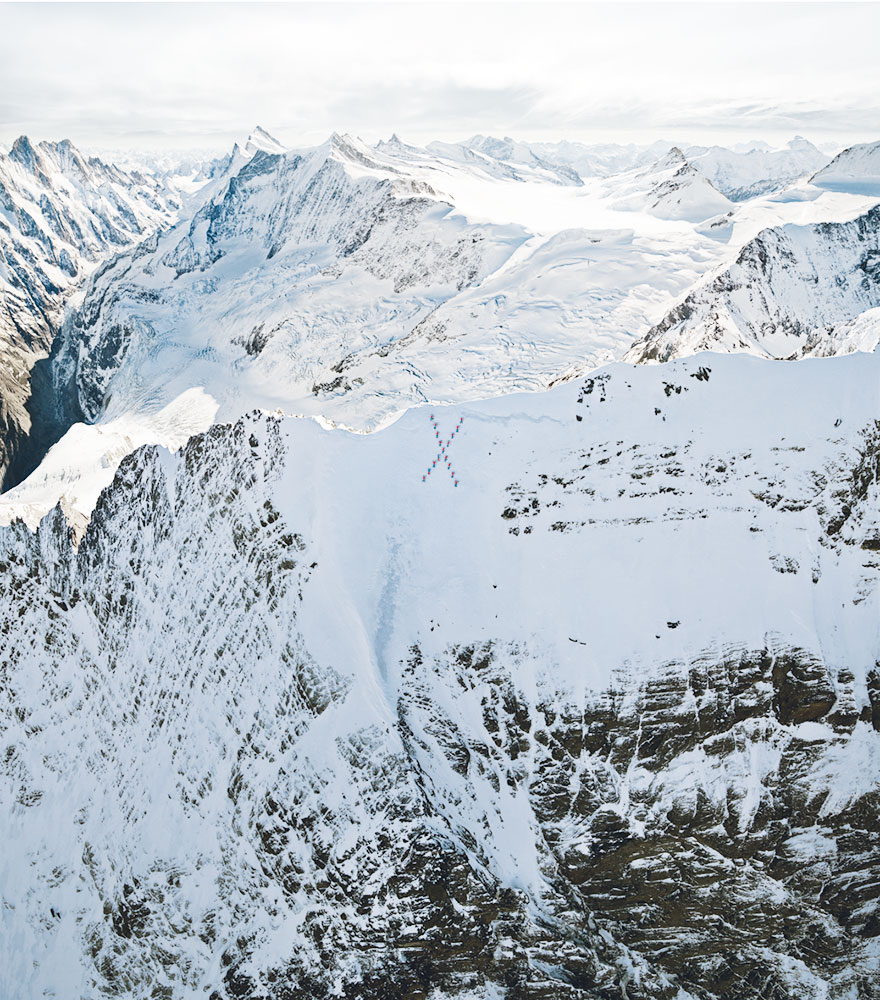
x=793 y=292
x=60 y=214
x=603 y=720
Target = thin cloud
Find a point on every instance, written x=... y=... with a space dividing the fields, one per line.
x=188 y=75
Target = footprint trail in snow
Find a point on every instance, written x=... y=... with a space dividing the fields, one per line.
x=443 y=454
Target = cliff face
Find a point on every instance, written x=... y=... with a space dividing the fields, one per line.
x=601 y=720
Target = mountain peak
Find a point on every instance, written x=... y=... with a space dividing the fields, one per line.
x=68 y=157
x=260 y=139
x=351 y=149
x=672 y=159
x=799 y=142
x=23 y=152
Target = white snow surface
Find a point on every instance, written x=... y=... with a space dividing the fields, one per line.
x=670 y=514
x=856 y=169
x=351 y=282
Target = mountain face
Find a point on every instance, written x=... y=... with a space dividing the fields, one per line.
x=600 y=720
x=794 y=291
x=510 y=151
x=370 y=630
x=321 y=256
x=673 y=188
x=746 y=174
x=60 y=215
x=855 y=169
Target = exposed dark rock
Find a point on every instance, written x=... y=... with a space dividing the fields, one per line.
x=803 y=689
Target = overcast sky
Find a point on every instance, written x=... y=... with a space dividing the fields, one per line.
x=201 y=75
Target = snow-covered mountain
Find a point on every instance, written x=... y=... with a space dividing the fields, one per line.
x=671 y=188
x=739 y=173
x=372 y=632
x=794 y=291
x=687 y=194
x=60 y=215
x=855 y=169
x=512 y=152
x=603 y=719
x=745 y=174
x=350 y=282
x=301 y=260
x=600 y=159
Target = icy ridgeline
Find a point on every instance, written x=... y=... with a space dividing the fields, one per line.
x=600 y=722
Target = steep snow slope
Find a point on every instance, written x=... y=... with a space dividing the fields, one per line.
x=60 y=214
x=600 y=721
x=793 y=291
x=855 y=169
